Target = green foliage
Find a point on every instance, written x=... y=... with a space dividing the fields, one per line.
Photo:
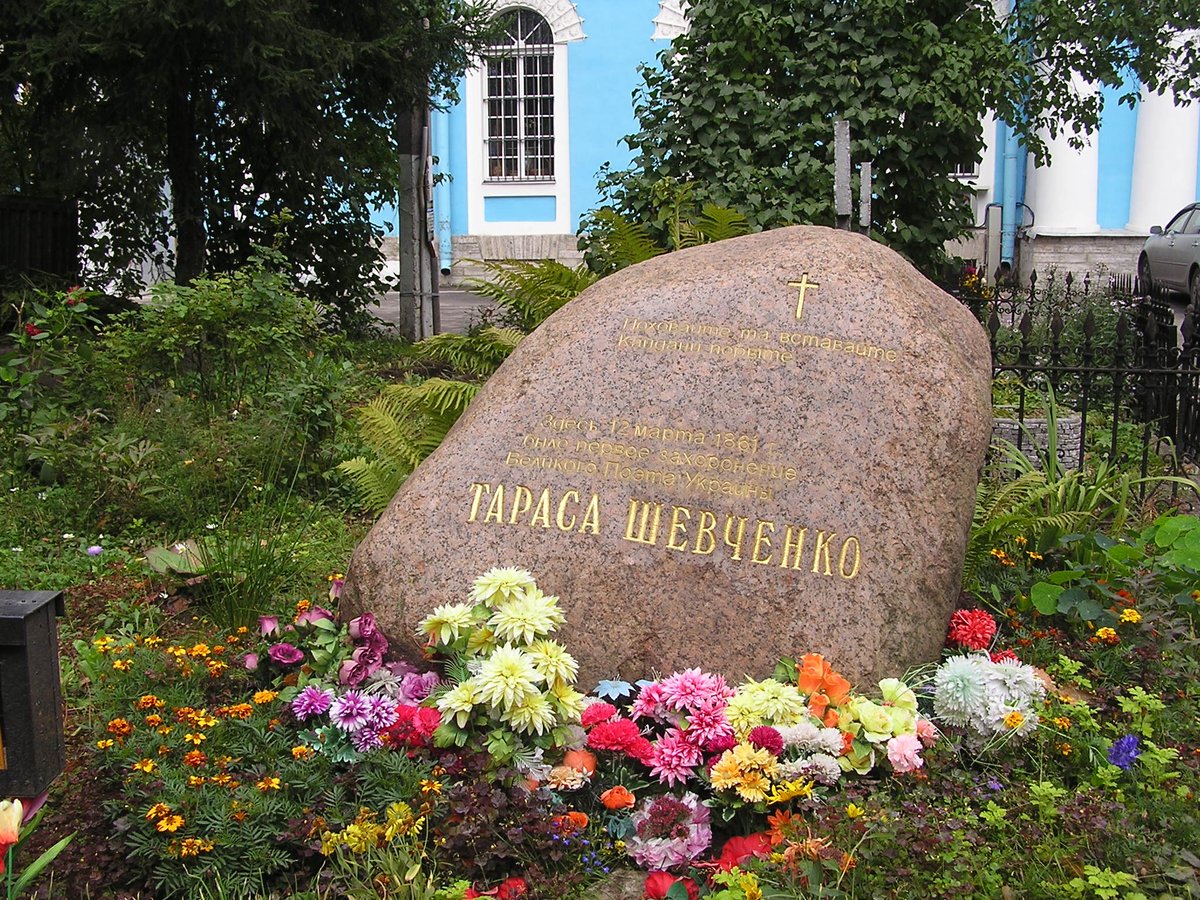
x=402 y=426
x=221 y=339
x=529 y=292
x=743 y=105
x=256 y=114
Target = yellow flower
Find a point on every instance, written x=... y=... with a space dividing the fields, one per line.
x=199 y=650
x=194 y=846
x=144 y=765
x=1131 y=615
x=459 y=701
x=195 y=781
x=122 y=665
x=507 y=678
x=169 y=823
x=1107 y=635
x=444 y=624
x=149 y=701
x=429 y=786
x=195 y=738
x=747 y=770
x=501 y=584
x=1035 y=556
x=853 y=811
x=790 y=790
x=261 y=697
x=1014 y=719
x=553 y=661
x=268 y=783
x=532 y=713
x=157 y=811
x=1062 y=722
x=302 y=753
x=528 y=615
x=103 y=643
x=105 y=744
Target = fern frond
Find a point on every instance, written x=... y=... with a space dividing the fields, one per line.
x=717 y=223
x=477 y=355
x=617 y=242
x=532 y=290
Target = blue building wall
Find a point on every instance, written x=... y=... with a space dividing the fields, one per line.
x=1118 y=130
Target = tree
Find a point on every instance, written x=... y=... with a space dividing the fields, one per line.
x=223 y=125
x=743 y=105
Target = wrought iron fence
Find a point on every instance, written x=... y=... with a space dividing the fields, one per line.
x=38 y=237
x=1123 y=365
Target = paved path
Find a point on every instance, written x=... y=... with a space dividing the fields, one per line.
x=459 y=309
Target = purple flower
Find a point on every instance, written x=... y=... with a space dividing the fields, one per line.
x=1124 y=752
x=312 y=701
x=381 y=712
x=285 y=654
x=349 y=712
x=268 y=626
x=250 y=661
x=362 y=663
x=313 y=615
x=335 y=588
x=362 y=628
x=415 y=686
x=95 y=550
x=366 y=739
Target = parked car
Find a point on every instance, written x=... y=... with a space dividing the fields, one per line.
x=1171 y=256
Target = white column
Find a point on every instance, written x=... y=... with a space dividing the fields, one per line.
x=1062 y=194
x=1164 y=160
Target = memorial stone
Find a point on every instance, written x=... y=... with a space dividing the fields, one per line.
x=765 y=446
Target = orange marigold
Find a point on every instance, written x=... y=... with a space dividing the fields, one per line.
x=120 y=727
x=169 y=823
x=195 y=758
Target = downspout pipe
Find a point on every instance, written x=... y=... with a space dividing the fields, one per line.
x=1013 y=196
x=440 y=126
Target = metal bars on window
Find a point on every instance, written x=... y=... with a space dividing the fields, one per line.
x=519 y=99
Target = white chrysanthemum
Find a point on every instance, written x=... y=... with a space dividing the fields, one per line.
x=533 y=713
x=1015 y=681
x=1016 y=719
x=959 y=690
x=553 y=661
x=447 y=622
x=822 y=768
x=500 y=584
x=802 y=736
x=525 y=617
x=507 y=678
x=482 y=640
x=458 y=702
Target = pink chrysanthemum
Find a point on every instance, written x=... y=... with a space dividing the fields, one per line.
x=674 y=758
x=687 y=690
x=649 y=702
x=707 y=726
x=766 y=738
x=596 y=713
x=972 y=628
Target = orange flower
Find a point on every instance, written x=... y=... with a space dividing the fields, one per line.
x=120 y=727
x=814 y=675
x=149 y=701
x=618 y=797
x=571 y=822
x=169 y=823
x=195 y=758
x=240 y=711
x=154 y=720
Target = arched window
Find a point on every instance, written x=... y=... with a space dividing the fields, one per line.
x=519 y=99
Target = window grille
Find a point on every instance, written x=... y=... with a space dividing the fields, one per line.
x=519 y=98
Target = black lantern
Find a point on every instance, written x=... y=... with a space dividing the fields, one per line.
x=32 y=753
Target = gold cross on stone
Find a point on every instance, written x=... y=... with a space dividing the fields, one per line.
x=803 y=284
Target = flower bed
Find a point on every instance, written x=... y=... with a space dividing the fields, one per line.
x=293 y=753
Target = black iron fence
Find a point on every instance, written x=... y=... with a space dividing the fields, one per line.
x=38 y=237
x=1123 y=365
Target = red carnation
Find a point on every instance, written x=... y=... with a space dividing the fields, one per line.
x=1002 y=655
x=973 y=628
x=618 y=734
x=596 y=713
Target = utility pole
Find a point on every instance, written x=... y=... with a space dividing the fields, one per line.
x=417 y=284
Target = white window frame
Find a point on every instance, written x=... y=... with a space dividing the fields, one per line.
x=566 y=26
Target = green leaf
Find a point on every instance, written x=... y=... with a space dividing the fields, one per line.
x=1045 y=597
x=35 y=868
